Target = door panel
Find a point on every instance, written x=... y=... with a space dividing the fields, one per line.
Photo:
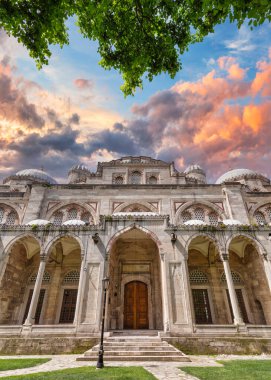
x=136 y=305
x=68 y=306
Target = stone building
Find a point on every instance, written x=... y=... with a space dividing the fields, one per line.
x=184 y=257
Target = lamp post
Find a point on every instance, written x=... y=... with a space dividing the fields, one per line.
x=100 y=362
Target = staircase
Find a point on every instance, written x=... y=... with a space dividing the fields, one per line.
x=136 y=348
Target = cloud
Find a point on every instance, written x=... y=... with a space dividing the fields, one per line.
x=83 y=84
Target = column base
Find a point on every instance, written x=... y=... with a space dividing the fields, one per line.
x=239 y=322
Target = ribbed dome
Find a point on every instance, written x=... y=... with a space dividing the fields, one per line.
x=38 y=222
x=194 y=222
x=238 y=174
x=231 y=222
x=74 y=222
x=195 y=168
x=36 y=174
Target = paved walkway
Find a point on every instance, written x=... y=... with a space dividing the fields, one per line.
x=161 y=370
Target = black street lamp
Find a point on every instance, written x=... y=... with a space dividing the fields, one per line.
x=100 y=362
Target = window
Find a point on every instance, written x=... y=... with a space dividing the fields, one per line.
x=136 y=178
x=72 y=214
x=45 y=280
x=1 y=214
x=186 y=216
x=85 y=217
x=235 y=278
x=241 y=304
x=268 y=211
x=39 y=305
x=152 y=180
x=11 y=218
x=202 y=306
x=68 y=306
x=58 y=219
x=199 y=214
x=198 y=277
x=72 y=277
x=118 y=180
x=260 y=218
x=213 y=219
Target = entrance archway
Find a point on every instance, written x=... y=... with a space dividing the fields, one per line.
x=135 y=283
x=136 y=305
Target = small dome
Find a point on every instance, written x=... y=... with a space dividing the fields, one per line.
x=194 y=222
x=74 y=222
x=195 y=168
x=79 y=167
x=136 y=213
x=36 y=174
x=39 y=222
x=231 y=222
x=238 y=174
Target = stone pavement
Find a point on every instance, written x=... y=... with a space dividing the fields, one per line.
x=161 y=370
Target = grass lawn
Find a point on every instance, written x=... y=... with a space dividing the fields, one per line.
x=233 y=370
x=86 y=373
x=7 y=364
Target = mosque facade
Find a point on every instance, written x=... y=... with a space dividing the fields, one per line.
x=183 y=256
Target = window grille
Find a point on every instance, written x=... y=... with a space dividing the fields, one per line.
x=268 y=211
x=198 y=277
x=136 y=178
x=260 y=217
x=235 y=278
x=186 y=216
x=152 y=180
x=119 y=180
x=202 y=306
x=199 y=214
x=213 y=219
x=46 y=278
x=71 y=277
x=72 y=214
x=85 y=217
x=11 y=218
x=58 y=219
x=1 y=214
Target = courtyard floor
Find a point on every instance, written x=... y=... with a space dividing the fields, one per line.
x=161 y=370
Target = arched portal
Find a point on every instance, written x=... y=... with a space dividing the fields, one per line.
x=252 y=290
x=22 y=260
x=135 y=282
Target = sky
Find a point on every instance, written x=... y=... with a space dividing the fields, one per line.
x=216 y=112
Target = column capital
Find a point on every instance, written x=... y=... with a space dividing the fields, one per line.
x=224 y=256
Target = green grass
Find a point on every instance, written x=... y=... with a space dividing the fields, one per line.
x=233 y=370
x=8 y=364
x=87 y=373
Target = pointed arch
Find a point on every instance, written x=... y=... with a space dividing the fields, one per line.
x=213 y=207
x=254 y=241
x=207 y=236
x=50 y=244
x=123 y=206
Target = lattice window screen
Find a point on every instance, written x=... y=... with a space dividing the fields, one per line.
x=136 y=178
x=71 y=277
x=269 y=213
x=152 y=180
x=11 y=218
x=46 y=278
x=213 y=219
x=235 y=278
x=118 y=180
x=198 y=277
x=199 y=214
x=72 y=214
x=186 y=216
x=58 y=218
x=260 y=217
x=85 y=217
x=1 y=214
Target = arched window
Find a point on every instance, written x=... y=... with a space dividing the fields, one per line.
x=1 y=214
x=136 y=178
x=198 y=277
x=259 y=216
x=85 y=217
x=72 y=214
x=186 y=216
x=11 y=218
x=268 y=211
x=58 y=218
x=45 y=280
x=235 y=278
x=152 y=180
x=199 y=214
x=118 y=180
x=71 y=277
x=213 y=219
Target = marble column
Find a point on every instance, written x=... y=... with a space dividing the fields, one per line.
x=267 y=268
x=81 y=291
x=30 y=319
x=164 y=292
x=237 y=318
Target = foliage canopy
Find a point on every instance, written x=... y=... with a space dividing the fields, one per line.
x=135 y=37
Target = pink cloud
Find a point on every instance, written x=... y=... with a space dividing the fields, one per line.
x=83 y=84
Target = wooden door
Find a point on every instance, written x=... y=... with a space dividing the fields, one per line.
x=68 y=306
x=136 y=305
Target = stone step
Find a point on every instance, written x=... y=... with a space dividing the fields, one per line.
x=134 y=348
x=134 y=344
x=167 y=358
x=135 y=353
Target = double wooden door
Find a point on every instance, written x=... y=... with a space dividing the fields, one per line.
x=136 y=305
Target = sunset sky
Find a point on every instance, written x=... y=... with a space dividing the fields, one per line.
x=216 y=112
